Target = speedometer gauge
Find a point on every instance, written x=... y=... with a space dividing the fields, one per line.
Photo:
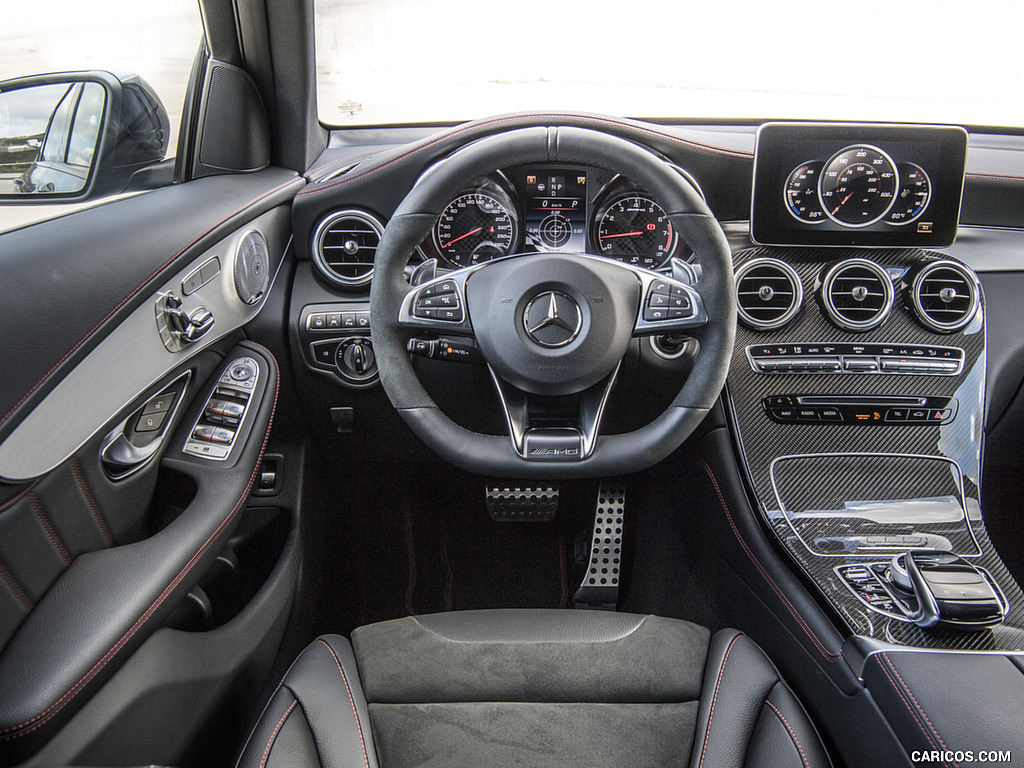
x=473 y=228
x=858 y=186
x=635 y=230
x=914 y=194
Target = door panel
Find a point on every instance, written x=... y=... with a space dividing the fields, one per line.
x=68 y=283
x=90 y=566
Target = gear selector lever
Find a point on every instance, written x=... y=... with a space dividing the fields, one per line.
x=948 y=590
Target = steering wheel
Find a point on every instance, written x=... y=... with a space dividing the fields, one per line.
x=553 y=324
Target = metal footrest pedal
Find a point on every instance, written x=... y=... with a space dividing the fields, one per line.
x=521 y=503
x=600 y=587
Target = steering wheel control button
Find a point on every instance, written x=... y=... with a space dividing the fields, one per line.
x=438 y=301
x=666 y=302
x=552 y=319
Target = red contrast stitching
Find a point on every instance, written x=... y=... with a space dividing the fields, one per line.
x=913 y=714
x=127 y=298
x=44 y=716
x=273 y=736
x=792 y=733
x=521 y=119
x=351 y=700
x=91 y=501
x=48 y=529
x=829 y=655
x=994 y=176
x=711 y=714
x=910 y=693
x=11 y=502
x=16 y=590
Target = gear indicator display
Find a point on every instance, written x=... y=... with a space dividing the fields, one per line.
x=556 y=210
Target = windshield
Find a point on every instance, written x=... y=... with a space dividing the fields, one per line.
x=427 y=61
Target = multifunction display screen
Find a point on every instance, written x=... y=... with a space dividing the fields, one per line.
x=555 y=203
x=857 y=184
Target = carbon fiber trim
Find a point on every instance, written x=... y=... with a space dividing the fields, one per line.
x=834 y=488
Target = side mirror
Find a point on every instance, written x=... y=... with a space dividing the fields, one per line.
x=75 y=136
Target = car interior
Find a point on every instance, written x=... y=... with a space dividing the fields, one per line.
x=547 y=438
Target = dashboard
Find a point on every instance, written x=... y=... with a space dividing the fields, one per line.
x=860 y=350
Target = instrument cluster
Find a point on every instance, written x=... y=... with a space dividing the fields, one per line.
x=567 y=209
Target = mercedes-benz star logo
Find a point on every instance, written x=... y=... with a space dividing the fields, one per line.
x=552 y=319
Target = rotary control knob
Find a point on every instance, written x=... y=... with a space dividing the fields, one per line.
x=355 y=361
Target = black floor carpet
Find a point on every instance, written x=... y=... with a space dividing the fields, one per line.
x=416 y=543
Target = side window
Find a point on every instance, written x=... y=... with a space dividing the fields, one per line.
x=70 y=139
x=85 y=129
x=55 y=139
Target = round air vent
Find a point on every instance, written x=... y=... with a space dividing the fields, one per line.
x=344 y=246
x=944 y=296
x=252 y=267
x=768 y=293
x=857 y=294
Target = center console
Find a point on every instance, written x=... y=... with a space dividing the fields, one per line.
x=857 y=385
x=859 y=426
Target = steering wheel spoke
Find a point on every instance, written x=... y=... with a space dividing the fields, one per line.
x=438 y=306
x=565 y=430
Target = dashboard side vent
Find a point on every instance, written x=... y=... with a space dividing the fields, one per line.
x=944 y=296
x=769 y=293
x=857 y=294
x=344 y=246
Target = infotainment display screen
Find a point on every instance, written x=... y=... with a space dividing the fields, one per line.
x=857 y=184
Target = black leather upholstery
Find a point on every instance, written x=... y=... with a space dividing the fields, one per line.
x=103 y=602
x=913 y=690
x=318 y=714
x=534 y=688
x=748 y=716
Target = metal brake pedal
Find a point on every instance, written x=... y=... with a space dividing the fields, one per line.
x=521 y=503
x=600 y=587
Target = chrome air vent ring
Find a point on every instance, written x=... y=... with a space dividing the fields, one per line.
x=857 y=294
x=344 y=246
x=945 y=296
x=769 y=293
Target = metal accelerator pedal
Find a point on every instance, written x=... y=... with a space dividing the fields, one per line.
x=600 y=587
x=521 y=503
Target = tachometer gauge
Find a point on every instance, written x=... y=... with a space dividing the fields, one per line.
x=473 y=228
x=858 y=186
x=802 y=199
x=635 y=230
x=915 y=191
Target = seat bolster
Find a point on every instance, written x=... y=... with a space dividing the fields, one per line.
x=281 y=737
x=748 y=717
x=318 y=717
